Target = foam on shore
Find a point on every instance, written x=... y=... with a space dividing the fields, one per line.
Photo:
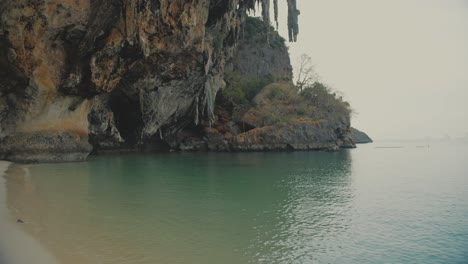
x=16 y=247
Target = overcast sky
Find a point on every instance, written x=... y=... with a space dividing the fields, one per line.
x=402 y=64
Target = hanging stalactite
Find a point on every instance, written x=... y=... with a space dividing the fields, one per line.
x=266 y=12
x=275 y=8
x=293 y=14
x=293 y=25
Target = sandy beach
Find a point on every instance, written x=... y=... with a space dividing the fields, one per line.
x=17 y=247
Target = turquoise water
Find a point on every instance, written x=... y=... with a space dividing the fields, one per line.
x=368 y=205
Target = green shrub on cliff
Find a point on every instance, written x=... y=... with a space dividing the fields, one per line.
x=277 y=93
x=325 y=99
x=242 y=90
x=282 y=103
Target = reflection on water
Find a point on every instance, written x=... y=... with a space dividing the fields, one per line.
x=230 y=208
x=315 y=198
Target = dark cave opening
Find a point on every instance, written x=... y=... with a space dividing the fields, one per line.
x=217 y=10
x=156 y=144
x=128 y=117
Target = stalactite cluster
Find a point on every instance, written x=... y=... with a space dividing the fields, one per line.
x=293 y=14
x=82 y=75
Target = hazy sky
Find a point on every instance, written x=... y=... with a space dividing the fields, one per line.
x=402 y=64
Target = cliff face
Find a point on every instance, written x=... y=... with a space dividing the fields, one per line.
x=108 y=73
x=261 y=54
x=77 y=76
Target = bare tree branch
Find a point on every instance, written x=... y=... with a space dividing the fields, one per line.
x=306 y=74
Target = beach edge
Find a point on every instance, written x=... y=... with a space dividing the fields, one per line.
x=16 y=246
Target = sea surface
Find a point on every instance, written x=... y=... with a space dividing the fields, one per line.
x=387 y=202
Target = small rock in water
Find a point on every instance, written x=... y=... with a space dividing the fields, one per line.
x=19 y=221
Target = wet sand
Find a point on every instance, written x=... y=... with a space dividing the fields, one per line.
x=17 y=247
x=53 y=227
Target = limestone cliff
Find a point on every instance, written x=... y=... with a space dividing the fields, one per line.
x=261 y=110
x=111 y=73
x=77 y=76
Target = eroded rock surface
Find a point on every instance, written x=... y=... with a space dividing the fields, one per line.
x=114 y=73
x=77 y=76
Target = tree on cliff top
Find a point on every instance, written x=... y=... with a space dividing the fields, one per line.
x=306 y=75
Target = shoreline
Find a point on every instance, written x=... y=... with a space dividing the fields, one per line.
x=16 y=246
